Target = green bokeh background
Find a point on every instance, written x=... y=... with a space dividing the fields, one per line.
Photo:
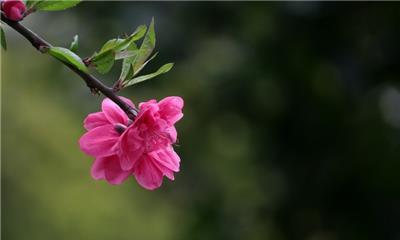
x=291 y=127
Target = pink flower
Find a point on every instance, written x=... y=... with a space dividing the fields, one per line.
x=146 y=145
x=142 y=148
x=101 y=141
x=13 y=9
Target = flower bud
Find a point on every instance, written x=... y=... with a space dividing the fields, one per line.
x=13 y=9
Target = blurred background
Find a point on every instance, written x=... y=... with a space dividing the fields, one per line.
x=291 y=127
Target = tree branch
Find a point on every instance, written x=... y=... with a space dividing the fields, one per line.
x=92 y=82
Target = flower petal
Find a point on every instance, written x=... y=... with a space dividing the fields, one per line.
x=100 y=141
x=108 y=168
x=94 y=120
x=113 y=112
x=166 y=157
x=152 y=103
x=147 y=174
x=172 y=134
x=113 y=172
x=13 y=9
x=130 y=148
x=127 y=101
x=171 y=109
x=167 y=172
x=97 y=170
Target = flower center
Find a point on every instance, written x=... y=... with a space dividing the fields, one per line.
x=154 y=140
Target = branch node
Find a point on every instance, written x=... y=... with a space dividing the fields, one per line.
x=117 y=86
x=43 y=48
x=87 y=61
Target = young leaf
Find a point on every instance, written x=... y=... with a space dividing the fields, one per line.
x=116 y=49
x=110 y=44
x=147 y=47
x=144 y=64
x=164 y=69
x=55 y=5
x=3 y=39
x=125 y=54
x=31 y=3
x=69 y=57
x=127 y=70
x=136 y=35
x=118 y=44
x=103 y=62
x=74 y=44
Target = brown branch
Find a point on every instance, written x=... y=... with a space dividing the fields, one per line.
x=92 y=82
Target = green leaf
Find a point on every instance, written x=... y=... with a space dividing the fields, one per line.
x=127 y=70
x=103 y=62
x=118 y=44
x=55 y=5
x=74 y=44
x=164 y=69
x=136 y=35
x=145 y=63
x=69 y=57
x=3 y=39
x=110 y=44
x=147 y=47
x=125 y=54
x=31 y=3
x=116 y=49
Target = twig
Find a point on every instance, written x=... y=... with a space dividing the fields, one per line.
x=92 y=82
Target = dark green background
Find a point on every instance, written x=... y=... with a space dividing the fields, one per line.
x=291 y=127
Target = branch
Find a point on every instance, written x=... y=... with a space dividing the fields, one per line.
x=92 y=82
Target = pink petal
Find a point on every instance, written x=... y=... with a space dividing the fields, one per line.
x=108 y=168
x=147 y=174
x=167 y=172
x=171 y=109
x=172 y=134
x=127 y=101
x=100 y=141
x=130 y=148
x=147 y=113
x=13 y=9
x=113 y=172
x=15 y=14
x=97 y=170
x=94 y=120
x=113 y=112
x=149 y=104
x=166 y=157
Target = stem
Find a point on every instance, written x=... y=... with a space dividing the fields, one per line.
x=92 y=82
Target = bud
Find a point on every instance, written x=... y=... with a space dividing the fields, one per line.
x=13 y=9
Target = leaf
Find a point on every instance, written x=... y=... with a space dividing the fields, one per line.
x=74 y=44
x=110 y=44
x=55 y=5
x=145 y=63
x=31 y=3
x=103 y=62
x=127 y=70
x=69 y=57
x=136 y=35
x=147 y=47
x=125 y=54
x=114 y=49
x=164 y=69
x=118 y=44
x=3 y=39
